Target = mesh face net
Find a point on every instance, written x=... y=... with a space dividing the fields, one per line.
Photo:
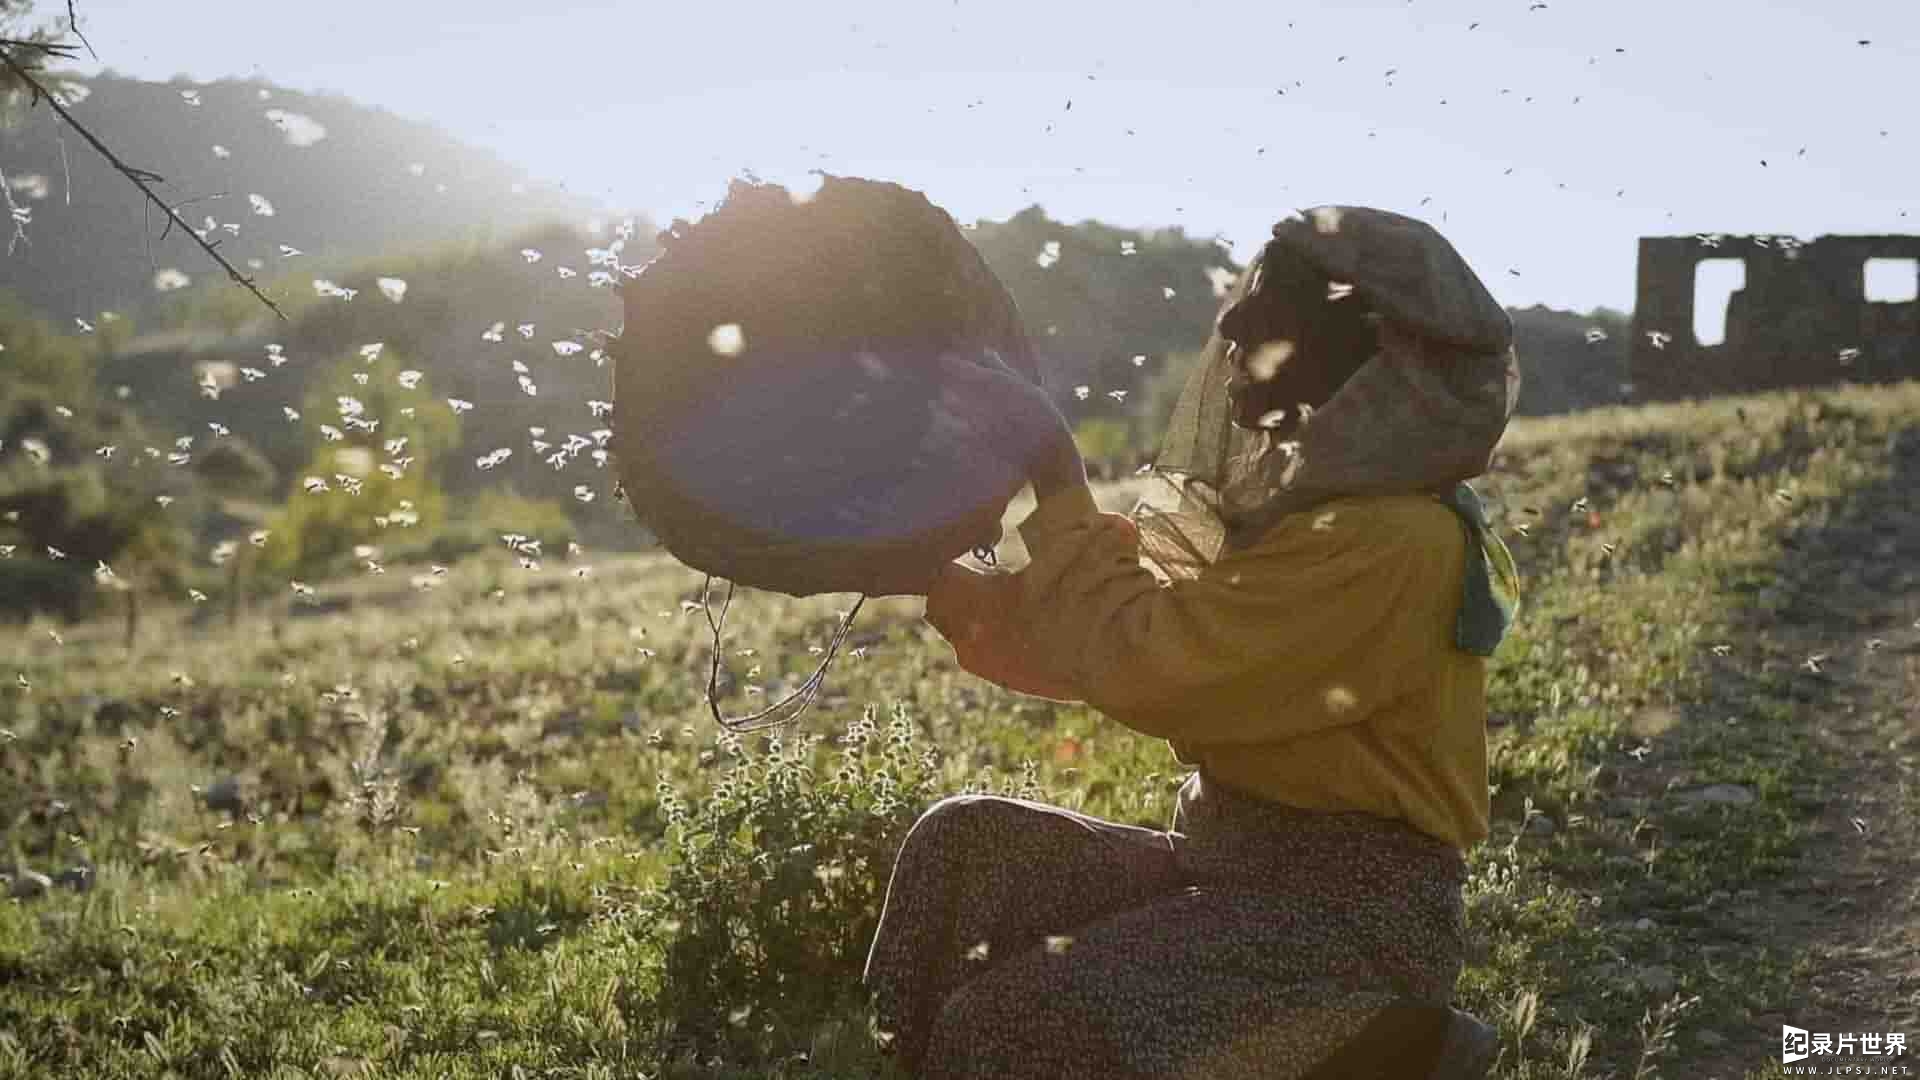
x=1422 y=413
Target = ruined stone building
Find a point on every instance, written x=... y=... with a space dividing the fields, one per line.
x=1802 y=318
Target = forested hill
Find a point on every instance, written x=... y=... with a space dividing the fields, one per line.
x=352 y=187
x=339 y=180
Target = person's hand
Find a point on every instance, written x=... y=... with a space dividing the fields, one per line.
x=970 y=610
x=1026 y=425
x=917 y=578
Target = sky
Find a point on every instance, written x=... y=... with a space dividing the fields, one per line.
x=1541 y=138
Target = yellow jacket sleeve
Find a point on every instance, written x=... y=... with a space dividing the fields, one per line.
x=1315 y=626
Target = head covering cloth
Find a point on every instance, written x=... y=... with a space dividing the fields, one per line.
x=1423 y=414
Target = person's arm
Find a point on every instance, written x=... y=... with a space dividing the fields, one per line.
x=1314 y=627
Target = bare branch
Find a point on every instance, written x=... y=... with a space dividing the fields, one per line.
x=139 y=177
x=73 y=24
x=51 y=48
x=16 y=213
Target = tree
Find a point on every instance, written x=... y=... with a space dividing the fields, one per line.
x=376 y=434
x=22 y=37
x=233 y=468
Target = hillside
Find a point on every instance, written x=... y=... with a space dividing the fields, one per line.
x=341 y=180
x=235 y=851
x=344 y=182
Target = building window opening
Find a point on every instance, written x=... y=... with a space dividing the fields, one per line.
x=1714 y=283
x=1892 y=281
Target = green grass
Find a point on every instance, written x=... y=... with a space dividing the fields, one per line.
x=489 y=826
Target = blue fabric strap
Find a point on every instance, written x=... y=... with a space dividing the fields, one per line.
x=1491 y=596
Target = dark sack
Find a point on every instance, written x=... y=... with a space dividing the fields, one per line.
x=779 y=416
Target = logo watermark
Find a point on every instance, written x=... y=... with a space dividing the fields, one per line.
x=1866 y=1053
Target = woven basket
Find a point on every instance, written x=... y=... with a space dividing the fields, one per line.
x=780 y=419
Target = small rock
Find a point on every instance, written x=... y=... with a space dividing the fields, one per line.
x=112 y=717
x=1656 y=980
x=1723 y=794
x=29 y=885
x=1644 y=924
x=1604 y=973
x=224 y=794
x=1540 y=825
x=78 y=878
x=1710 y=1039
x=1620 y=808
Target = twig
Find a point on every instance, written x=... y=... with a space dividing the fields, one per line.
x=139 y=177
x=14 y=212
x=51 y=48
x=73 y=24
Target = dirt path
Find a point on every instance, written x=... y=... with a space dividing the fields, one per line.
x=1850 y=633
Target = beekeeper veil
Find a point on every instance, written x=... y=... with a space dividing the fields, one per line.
x=1422 y=414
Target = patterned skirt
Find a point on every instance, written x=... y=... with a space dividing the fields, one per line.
x=1251 y=940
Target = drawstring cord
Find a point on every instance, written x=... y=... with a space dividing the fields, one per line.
x=802 y=696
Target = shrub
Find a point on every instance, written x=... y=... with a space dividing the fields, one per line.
x=775 y=887
x=496 y=513
x=233 y=467
x=1106 y=443
x=315 y=534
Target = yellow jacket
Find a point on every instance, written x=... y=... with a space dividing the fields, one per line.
x=1317 y=668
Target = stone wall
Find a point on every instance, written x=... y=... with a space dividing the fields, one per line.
x=1802 y=318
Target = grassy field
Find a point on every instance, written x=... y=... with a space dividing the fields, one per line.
x=481 y=824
